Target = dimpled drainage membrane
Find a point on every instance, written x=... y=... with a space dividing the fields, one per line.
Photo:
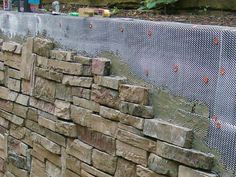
x=197 y=62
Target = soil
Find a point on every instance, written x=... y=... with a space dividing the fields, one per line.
x=204 y=18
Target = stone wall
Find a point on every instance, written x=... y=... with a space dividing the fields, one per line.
x=62 y=114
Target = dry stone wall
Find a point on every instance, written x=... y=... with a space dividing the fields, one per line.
x=62 y=114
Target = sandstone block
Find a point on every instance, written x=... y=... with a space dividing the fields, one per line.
x=38 y=168
x=13 y=73
x=69 y=173
x=87 y=104
x=136 y=110
x=16 y=171
x=4 y=123
x=26 y=87
x=82 y=60
x=190 y=157
x=32 y=114
x=162 y=166
x=81 y=92
x=101 y=66
x=165 y=131
x=47 y=123
x=125 y=168
x=112 y=82
x=105 y=96
x=44 y=89
x=12 y=47
x=98 y=140
x=2 y=68
x=85 y=174
x=48 y=74
x=62 y=109
x=66 y=128
x=27 y=59
x=17 y=147
x=189 y=172
x=12 y=96
x=17 y=131
x=55 y=137
x=131 y=153
x=4 y=93
x=62 y=55
x=63 y=92
x=34 y=126
x=52 y=170
x=20 y=110
x=17 y=160
x=80 y=150
x=3 y=146
x=16 y=120
x=47 y=144
x=77 y=81
x=42 y=46
x=134 y=94
x=104 y=162
x=73 y=164
x=42 y=105
x=6 y=105
x=2 y=167
x=2 y=77
x=80 y=115
x=123 y=118
x=144 y=172
x=13 y=84
x=22 y=99
x=135 y=140
x=93 y=171
x=12 y=60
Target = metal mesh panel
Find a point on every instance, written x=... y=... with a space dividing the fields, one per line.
x=197 y=62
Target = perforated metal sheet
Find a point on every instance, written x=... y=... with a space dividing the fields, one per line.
x=197 y=62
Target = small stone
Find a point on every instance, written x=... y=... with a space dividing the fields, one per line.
x=165 y=131
x=116 y=115
x=81 y=92
x=62 y=109
x=87 y=104
x=38 y=168
x=32 y=114
x=13 y=84
x=63 y=92
x=112 y=82
x=14 y=61
x=81 y=151
x=80 y=115
x=12 y=47
x=134 y=94
x=189 y=172
x=98 y=140
x=73 y=164
x=190 y=157
x=42 y=46
x=44 y=89
x=137 y=141
x=20 y=110
x=4 y=93
x=47 y=144
x=136 y=110
x=52 y=170
x=105 y=96
x=42 y=105
x=131 y=153
x=69 y=173
x=66 y=128
x=77 y=81
x=162 y=166
x=62 y=55
x=13 y=73
x=22 y=99
x=125 y=168
x=82 y=60
x=47 y=123
x=104 y=161
x=144 y=172
x=55 y=137
x=85 y=174
x=93 y=171
x=48 y=74
x=101 y=66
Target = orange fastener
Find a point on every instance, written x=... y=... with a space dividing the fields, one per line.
x=149 y=33
x=175 y=68
x=218 y=125
x=206 y=80
x=216 y=41
x=214 y=118
x=222 y=71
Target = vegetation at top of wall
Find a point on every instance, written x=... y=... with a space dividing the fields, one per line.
x=151 y=4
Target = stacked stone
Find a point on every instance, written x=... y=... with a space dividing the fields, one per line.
x=62 y=114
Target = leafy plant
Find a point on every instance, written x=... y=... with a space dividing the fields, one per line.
x=151 y=4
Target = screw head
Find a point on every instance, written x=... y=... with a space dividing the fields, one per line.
x=176 y=68
x=222 y=71
x=206 y=79
x=216 y=40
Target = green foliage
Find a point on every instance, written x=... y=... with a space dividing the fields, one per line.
x=151 y=4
